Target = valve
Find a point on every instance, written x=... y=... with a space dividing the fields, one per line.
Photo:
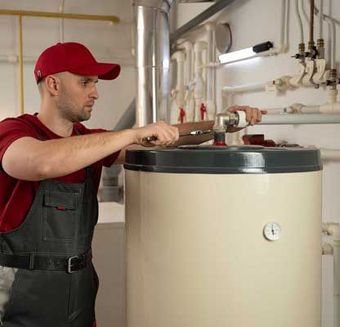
x=181 y=115
x=203 y=111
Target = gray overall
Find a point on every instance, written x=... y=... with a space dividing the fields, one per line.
x=54 y=282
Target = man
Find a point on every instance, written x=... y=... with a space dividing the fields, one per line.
x=49 y=176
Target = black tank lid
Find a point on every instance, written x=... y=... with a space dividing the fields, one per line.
x=224 y=160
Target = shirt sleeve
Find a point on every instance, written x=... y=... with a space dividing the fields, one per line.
x=12 y=129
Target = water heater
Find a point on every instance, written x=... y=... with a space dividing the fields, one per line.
x=223 y=237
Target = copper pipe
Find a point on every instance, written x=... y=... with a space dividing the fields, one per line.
x=21 y=66
x=47 y=14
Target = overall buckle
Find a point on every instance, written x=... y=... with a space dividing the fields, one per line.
x=73 y=264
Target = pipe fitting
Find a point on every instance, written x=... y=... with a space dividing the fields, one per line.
x=327 y=249
x=333 y=230
x=225 y=120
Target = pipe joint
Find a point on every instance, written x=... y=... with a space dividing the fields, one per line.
x=327 y=249
x=333 y=230
x=225 y=120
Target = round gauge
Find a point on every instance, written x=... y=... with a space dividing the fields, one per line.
x=272 y=231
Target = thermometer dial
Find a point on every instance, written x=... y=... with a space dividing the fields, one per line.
x=272 y=231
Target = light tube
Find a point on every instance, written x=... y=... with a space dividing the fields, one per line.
x=236 y=55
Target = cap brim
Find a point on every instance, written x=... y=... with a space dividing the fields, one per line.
x=102 y=70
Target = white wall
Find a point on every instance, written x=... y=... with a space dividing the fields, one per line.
x=256 y=21
x=108 y=42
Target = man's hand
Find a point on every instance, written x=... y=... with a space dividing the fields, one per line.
x=253 y=115
x=161 y=133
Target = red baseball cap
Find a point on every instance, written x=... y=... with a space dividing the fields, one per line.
x=74 y=58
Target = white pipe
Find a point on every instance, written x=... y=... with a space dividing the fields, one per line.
x=297 y=12
x=332 y=41
x=178 y=56
x=187 y=46
x=321 y=20
x=336 y=281
x=327 y=249
x=327 y=108
x=210 y=28
x=333 y=229
x=199 y=80
x=189 y=81
x=211 y=71
x=14 y=59
x=288 y=119
x=304 y=11
x=330 y=154
x=244 y=88
x=284 y=24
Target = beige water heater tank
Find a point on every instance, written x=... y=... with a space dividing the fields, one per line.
x=223 y=237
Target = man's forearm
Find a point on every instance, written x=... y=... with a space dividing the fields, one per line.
x=60 y=157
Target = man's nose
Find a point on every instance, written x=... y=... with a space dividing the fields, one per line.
x=94 y=94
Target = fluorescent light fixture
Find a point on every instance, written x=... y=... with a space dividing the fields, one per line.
x=245 y=53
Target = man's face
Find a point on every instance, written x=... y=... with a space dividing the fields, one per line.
x=77 y=96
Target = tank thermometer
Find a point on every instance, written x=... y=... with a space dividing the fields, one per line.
x=272 y=231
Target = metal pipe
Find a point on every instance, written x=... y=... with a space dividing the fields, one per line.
x=47 y=14
x=212 y=10
x=153 y=59
x=21 y=67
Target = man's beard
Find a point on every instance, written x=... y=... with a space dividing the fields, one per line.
x=70 y=111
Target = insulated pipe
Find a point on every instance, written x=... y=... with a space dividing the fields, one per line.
x=188 y=76
x=188 y=81
x=333 y=40
x=179 y=95
x=288 y=119
x=330 y=154
x=336 y=281
x=211 y=71
x=284 y=27
x=199 y=81
x=153 y=58
x=245 y=88
x=333 y=229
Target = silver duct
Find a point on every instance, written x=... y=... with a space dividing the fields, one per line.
x=153 y=60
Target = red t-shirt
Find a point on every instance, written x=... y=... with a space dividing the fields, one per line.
x=16 y=196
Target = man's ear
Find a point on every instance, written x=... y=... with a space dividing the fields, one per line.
x=52 y=84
